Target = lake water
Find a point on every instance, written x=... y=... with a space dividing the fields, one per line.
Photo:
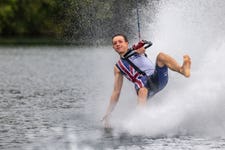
x=46 y=90
x=54 y=98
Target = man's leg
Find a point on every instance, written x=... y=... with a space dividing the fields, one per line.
x=164 y=59
x=142 y=96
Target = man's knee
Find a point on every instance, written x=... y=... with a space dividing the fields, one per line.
x=161 y=56
x=160 y=59
x=142 y=96
x=143 y=92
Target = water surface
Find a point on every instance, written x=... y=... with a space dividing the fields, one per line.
x=54 y=98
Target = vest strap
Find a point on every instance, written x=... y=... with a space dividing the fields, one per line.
x=130 y=53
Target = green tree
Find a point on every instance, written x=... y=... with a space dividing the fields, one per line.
x=74 y=20
x=25 y=17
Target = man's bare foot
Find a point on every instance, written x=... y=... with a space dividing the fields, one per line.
x=185 y=69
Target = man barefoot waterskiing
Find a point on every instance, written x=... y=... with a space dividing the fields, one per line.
x=136 y=67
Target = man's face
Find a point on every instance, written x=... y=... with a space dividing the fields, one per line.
x=120 y=45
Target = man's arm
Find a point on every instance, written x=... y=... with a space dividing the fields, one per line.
x=118 y=81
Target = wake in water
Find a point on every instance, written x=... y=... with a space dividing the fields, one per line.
x=192 y=106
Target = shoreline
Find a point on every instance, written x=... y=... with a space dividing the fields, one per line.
x=47 y=41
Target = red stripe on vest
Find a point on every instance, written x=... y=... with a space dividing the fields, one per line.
x=129 y=73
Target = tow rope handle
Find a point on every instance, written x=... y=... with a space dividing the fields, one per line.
x=142 y=43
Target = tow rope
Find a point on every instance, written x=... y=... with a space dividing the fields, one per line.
x=138 y=21
x=141 y=43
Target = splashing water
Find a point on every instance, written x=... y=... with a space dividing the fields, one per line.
x=58 y=99
x=193 y=106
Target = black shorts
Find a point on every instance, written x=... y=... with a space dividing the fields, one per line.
x=158 y=80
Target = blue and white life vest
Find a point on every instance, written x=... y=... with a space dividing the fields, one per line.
x=138 y=72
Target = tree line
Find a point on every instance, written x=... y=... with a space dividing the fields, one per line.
x=72 y=20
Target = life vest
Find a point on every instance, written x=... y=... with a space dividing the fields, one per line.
x=136 y=68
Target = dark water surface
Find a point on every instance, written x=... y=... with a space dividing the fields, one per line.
x=50 y=100
x=42 y=89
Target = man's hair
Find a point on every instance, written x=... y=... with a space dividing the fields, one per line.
x=124 y=36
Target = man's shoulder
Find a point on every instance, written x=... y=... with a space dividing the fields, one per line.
x=116 y=69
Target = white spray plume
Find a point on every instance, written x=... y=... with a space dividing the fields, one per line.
x=196 y=105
